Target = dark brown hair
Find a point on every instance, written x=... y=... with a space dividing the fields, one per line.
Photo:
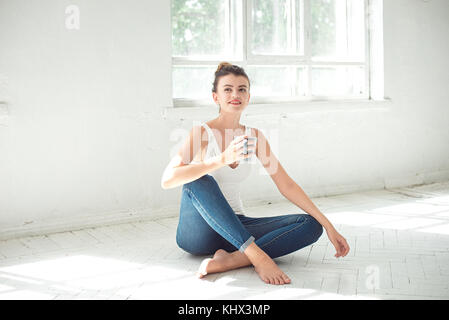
x=225 y=68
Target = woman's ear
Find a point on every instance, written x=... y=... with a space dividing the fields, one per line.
x=215 y=97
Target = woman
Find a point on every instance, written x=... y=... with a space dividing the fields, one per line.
x=210 y=166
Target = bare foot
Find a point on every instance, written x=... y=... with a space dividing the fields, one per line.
x=270 y=273
x=219 y=263
x=265 y=267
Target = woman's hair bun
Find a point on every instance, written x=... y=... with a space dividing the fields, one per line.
x=225 y=68
x=222 y=65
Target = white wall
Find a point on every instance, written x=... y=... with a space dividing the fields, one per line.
x=83 y=140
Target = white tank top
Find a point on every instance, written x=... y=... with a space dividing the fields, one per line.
x=228 y=179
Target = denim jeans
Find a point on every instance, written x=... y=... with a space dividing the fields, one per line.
x=208 y=223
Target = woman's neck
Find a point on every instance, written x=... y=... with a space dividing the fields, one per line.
x=228 y=121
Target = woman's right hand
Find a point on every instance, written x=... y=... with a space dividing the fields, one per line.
x=234 y=152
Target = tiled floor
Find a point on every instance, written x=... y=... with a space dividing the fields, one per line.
x=399 y=242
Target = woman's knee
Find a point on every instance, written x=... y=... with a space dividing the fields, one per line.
x=197 y=243
x=189 y=248
x=205 y=182
x=316 y=229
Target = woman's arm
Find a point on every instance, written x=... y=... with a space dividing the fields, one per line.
x=180 y=170
x=286 y=186
x=293 y=192
x=175 y=176
x=297 y=196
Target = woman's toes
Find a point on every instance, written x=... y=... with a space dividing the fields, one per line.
x=202 y=270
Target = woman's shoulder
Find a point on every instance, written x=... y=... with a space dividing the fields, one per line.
x=260 y=134
x=253 y=130
x=256 y=130
x=198 y=130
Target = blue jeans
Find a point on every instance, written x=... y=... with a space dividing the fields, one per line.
x=208 y=223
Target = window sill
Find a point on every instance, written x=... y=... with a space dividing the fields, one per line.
x=284 y=109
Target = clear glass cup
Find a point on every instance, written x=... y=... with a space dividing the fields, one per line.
x=250 y=141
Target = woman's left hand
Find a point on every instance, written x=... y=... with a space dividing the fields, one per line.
x=339 y=242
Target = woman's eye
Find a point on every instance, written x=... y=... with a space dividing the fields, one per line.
x=242 y=90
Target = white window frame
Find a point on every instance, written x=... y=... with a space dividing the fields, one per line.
x=246 y=58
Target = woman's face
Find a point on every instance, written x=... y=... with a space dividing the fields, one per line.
x=232 y=93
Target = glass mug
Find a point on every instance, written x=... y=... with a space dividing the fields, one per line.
x=250 y=141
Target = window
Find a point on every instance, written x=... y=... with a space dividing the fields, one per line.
x=292 y=50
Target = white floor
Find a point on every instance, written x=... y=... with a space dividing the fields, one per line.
x=399 y=242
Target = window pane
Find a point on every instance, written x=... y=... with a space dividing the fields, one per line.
x=193 y=82
x=301 y=84
x=274 y=81
x=338 y=31
x=338 y=81
x=199 y=27
x=276 y=27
